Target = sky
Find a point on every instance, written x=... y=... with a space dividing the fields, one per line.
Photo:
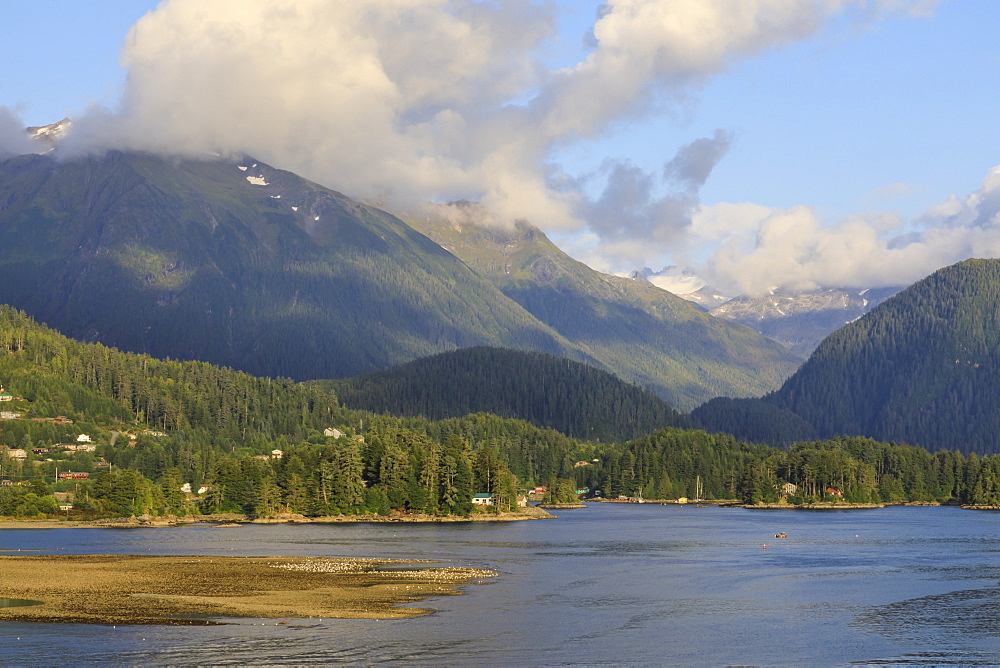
x=745 y=145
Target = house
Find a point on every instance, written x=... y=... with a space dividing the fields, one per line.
x=9 y=415
x=73 y=475
x=834 y=491
x=61 y=419
x=40 y=451
x=186 y=488
x=482 y=499
x=275 y=454
x=789 y=489
x=17 y=453
x=333 y=433
x=577 y=465
x=83 y=438
x=6 y=397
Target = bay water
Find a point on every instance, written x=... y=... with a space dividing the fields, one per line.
x=612 y=584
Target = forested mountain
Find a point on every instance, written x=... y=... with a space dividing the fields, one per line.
x=238 y=264
x=547 y=391
x=921 y=368
x=264 y=447
x=643 y=334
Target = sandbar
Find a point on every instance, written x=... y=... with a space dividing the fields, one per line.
x=200 y=590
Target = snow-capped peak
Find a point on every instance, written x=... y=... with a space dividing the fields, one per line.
x=50 y=134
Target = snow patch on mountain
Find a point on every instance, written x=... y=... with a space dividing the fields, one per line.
x=801 y=320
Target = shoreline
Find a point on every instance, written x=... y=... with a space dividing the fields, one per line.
x=234 y=520
x=199 y=591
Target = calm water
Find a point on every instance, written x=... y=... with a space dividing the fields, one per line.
x=612 y=584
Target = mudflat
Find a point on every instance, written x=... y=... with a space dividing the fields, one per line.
x=129 y=589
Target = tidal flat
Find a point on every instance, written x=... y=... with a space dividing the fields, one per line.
x=200 y=590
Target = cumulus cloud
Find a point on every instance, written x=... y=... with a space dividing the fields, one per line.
x=402 y=102
x=795 y=249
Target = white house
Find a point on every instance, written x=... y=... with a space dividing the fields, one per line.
x=83 y=438
x=482 y=499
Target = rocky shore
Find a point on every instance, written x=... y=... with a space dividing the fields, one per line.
x=116 y=589
x=233 y=520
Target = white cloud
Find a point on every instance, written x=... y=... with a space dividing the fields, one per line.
x=796 y=249
x=13 y=139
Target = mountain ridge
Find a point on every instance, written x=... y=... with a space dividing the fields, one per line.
x=922 y=368
x=644 y=334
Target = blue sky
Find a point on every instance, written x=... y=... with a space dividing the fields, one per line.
x=845 y=151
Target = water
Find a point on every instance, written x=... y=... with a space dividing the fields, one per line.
x=614 y=584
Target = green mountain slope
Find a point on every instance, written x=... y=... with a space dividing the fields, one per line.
x=157 y=424
x=922 y=368
x=237 y=264
x=547 y=391
x=641 y=333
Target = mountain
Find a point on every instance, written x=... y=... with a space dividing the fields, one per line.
x=239 y=264
x=922 y=368
x=547 y=391
x=642 y=333
x=800 y=320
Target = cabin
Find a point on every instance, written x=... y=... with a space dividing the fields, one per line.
x=482 y=499
x=834 y=491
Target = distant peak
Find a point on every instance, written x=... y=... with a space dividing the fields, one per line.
x=50 y=134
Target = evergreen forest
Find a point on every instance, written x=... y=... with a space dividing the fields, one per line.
x=263 y=447
x=548 y=391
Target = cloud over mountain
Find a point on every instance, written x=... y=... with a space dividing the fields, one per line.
x=402 y=102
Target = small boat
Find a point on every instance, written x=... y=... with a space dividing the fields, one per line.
x=781 y=534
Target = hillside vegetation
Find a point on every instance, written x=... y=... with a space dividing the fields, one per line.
x=270 y=446
x=547 y=391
